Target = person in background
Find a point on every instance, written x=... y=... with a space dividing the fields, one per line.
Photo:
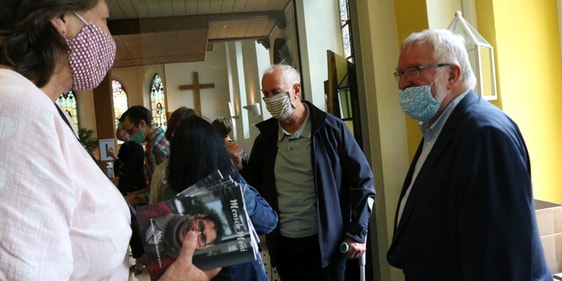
x=309 y=167
x=159 y=187
x=197 y=151
x=62 y=218
x=129 y=163
x=129 y=168
x=466 y=210
x=223 y=126
x=137 y=121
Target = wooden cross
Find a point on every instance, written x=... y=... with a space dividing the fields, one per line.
x=196 y=87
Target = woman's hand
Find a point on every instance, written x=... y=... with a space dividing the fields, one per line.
x=183 y=269
x=235 y=152
x=112 y=153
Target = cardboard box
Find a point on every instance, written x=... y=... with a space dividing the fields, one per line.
x=552 y=247
x=549 y=221
x=549 y=217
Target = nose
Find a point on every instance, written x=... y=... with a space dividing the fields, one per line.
x=403 y=83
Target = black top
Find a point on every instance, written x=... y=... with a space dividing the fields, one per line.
x=129 y=167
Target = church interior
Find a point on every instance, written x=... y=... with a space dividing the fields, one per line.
x=210 y=54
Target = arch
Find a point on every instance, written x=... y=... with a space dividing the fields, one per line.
x=67 y=102
x=120 y=99
x=158 y=102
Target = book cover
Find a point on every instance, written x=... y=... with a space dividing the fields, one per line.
x=214 y=208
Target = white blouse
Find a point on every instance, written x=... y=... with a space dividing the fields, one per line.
x=61 y=217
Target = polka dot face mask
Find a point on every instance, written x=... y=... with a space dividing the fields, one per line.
x=91 y=55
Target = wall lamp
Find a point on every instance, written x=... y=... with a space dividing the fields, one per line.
x=481 y=56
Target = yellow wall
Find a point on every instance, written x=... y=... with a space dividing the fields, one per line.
x=528 y=67
x=411 y=16
x=527 y=49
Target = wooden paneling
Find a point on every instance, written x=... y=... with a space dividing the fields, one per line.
x=161 y=31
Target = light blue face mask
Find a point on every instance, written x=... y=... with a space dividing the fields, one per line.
x=418 y=102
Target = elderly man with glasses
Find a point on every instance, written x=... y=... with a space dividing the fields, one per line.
x=466 y=209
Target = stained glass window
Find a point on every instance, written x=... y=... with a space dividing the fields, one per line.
x=67 y=101
x=158 y=102
x=345 y=20
x=120 y=100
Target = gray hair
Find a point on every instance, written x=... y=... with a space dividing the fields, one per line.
x=447 y=48
x=290 y=74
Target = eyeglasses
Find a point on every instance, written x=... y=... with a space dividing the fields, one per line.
x=202 y=238
x=413 y=72
x=131 y=130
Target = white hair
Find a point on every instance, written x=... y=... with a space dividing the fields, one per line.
x=447 y=48
x=290 y=74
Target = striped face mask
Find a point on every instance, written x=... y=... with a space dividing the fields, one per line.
x=280 y=106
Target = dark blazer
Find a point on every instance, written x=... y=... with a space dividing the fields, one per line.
x=470 y=214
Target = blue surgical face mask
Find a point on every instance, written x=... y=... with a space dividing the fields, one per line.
x=138 y=137
x=418 y=102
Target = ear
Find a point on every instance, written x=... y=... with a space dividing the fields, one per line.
x=60 y=23
x=297 y=87
x=142 y=123
x=454 y=74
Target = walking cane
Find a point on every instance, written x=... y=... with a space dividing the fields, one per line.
x=344 y=248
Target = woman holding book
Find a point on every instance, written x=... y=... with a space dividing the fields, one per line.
x=196 y=151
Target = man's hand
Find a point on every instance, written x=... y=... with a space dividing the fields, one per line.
x=183 y=269
x=355 y=250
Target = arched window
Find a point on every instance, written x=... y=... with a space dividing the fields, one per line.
x=67 y=101
x=120 y=100
x=346 y=29
x=158 y=102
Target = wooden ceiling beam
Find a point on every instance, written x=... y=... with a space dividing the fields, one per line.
x=178 y=23
x=277 y=16
x=154 y=25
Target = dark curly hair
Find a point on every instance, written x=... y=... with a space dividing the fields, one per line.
x=29 y=43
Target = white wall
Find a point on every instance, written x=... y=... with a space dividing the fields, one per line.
x=319 y=31
x=212 y=70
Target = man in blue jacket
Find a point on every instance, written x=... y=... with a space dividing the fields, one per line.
x=309 y=167
x=466 y=210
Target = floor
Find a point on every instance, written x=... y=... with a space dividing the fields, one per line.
x=142 y=276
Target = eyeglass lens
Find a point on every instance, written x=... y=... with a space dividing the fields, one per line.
x=202 y=237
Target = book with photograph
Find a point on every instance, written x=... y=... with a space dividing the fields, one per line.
x=213 y=208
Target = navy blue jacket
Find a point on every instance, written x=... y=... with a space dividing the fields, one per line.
x=470 y=214
x=344 y=181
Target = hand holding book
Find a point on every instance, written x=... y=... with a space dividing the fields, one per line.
x=213 y=208
x=183 y=268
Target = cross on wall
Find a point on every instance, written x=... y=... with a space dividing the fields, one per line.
x=196 y=87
